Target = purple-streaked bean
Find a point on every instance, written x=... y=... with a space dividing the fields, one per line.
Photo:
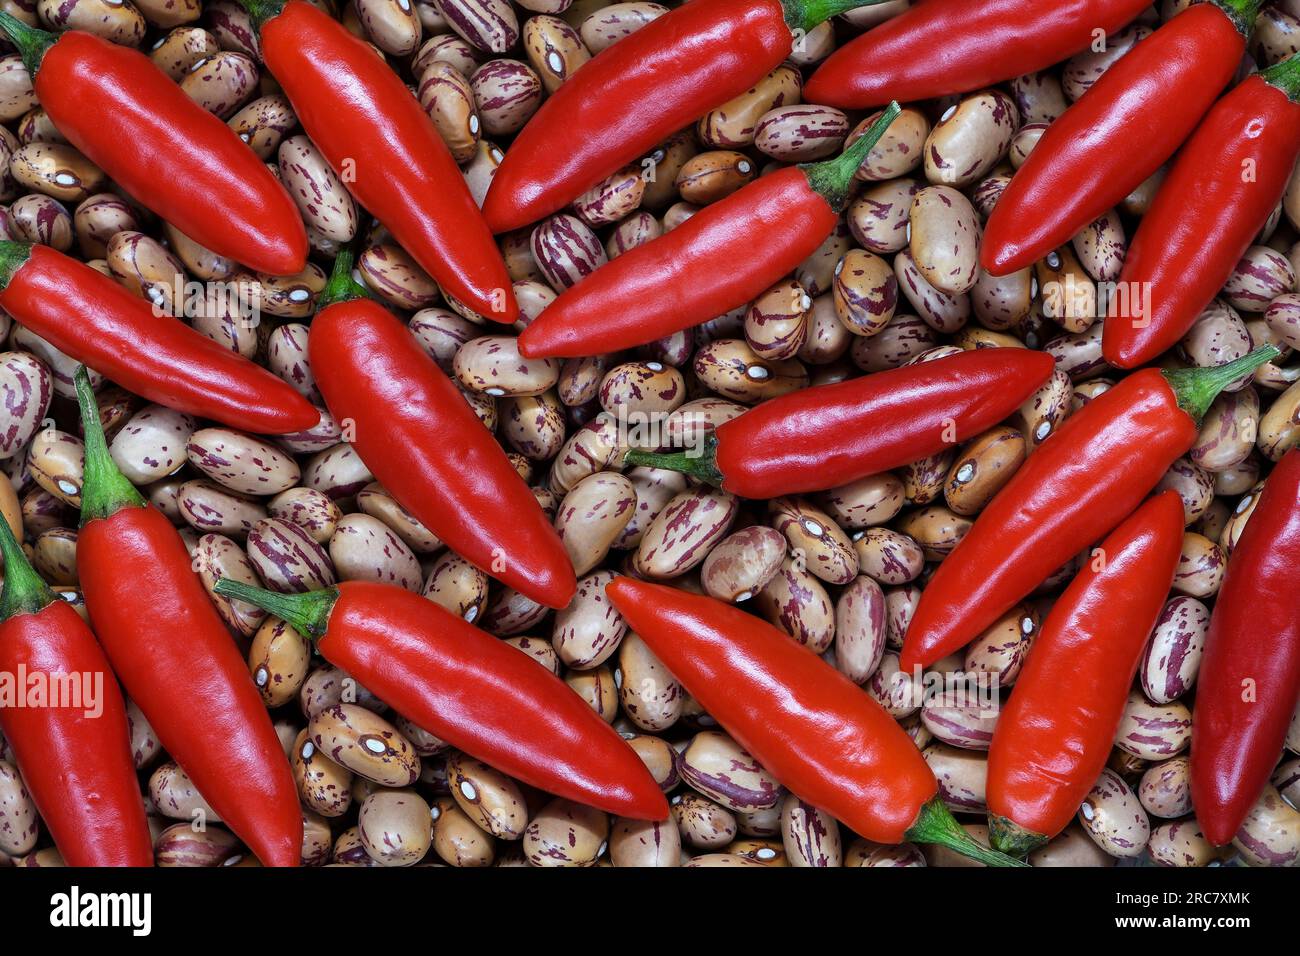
x=446 y=96
x=221 y=83
x=743 y=563
x=506 y=94
x=607 y=25
x=816 y=273
x=941 y=311
x=682 y=535
x=592 y=515
x=982 y=467
x=588 y=631
x=215 y=557
x=1201 y=567
x=180 y=49
x=241 y=462
x=207 y=507
x=999 y=302
x=970 y=138
x=865 y=853
x=811 y=837
x=1101 y=247
x=458 y=586
x=642 y=390
x=944 y=238
x=776 y=323
x=612 y=199
x=1001 y=649
x=1279 y=426
x=955 y=719
x=264 y=123
x=554 y=49
x=639 y=843
x=651 y=697
x=730 y=368
x=1173 y=654
x=867 y=502
x=1038 y=97
x=1261 y=276
x=364 y=548
x=152 y=444
x=1166 y=790
x=1228 y=431
x=827 y=338
x=1153 y=731
x=796 y=602
x=924 y=479
x=636 y=230
x=1045 y=410
x=1084 y=69
x=288 y=558
x=364 y=743
x=732 y=125
x=935 y=529
x=1071 y=847
x=702 y=823
x=488 y=797
x=19 y=823
x=487 y=25
x=375 y=501
x=888 y=556
x=898 y=152
x=865 y=292
x=878 y=217
x=278 y=660
x=566 y=834
x=962 y=776
x=800 y=134
x=716 y=766
x=900 y=605
x=1270 y=834
x=825 y=549
x=1180 y=844
x=1113 y=817
x=511 y=613
x=860 y=629
x=566 y=251
x=394 y=827
x=322 y=199
x=654 y=487
x=492 y=365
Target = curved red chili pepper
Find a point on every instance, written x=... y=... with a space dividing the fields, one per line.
x=1118 y=133
x=1055 y=733
x=704 y=267
x=1249 y=679
x=75 y=756
x=805 y=722
x=373 y=132
x=1217 y=197
x=170 y=154
x=86 y=315
x=824 y=437
x=420 y=438
x=941 y=47
x=1077 y=486
x=175 y=657
x=470 y=689
x=635 y=94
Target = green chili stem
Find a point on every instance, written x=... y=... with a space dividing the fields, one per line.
x=833 y=179
x=104 y=489
x=1011 y=838
x=262 y=10
x=803 y=15
x=934 y=824
x=307 y=613
x=1197 y=388
x=1242 y=13
x=13 y=255
x=1284 y=76
x=702 y=465
x=24 y=592
x=32 y=43
x=341 y=287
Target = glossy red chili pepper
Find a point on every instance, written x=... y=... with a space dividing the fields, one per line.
x=941 y=47
x=373 y=132
x=420 y=438
x=1249 y=679
x=73 y=751
x=805 y=722
x=176 y=659
x=86 y=315
x=704 y=267
x=1225 y=183
x=470 y=689
x=824 y=437
x=1055 y=733
x=635 y=94
x=1118 y=133
x=170 y=154
x=1078 y=485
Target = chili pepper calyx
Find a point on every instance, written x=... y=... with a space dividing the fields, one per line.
x=1242 y=13
x=802 y=15
x=341 y=287
x=261 y=10
x=25 y=591
x=935 y=824
x=701 y=465
x=32 y=43
x=1011 y=838
x=1197 y=388
x=1284 y=76
x=104 y=489
x=13 y=255
x=833 y=178
x=307 y=613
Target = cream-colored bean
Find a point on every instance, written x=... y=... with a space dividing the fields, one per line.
x=962 y=774
x=375 y=501
x=655 y=488
x=800 y=134
x=448 y=98
x=825 y=549
x=970 y=138
x=640 y=842
x=682 y=535
x=730 y=368
x=1084 y=69
x=1113 y=817
x=1045 y=410
x=644 y=391
x=1154 y=731
x=493 y=366
x=1166 y=790
x=811 y=837
x=941 y=311
x=898 y=152
x=936 y=529
x=457 y=839
x=860 y=629
x=923 y=480
x=888 y=556
x=488 y=797
x=878 y=217
x=363 y=548
x=796 y=602
x=180 y=49
x=310 y=510
x=366 y=744
x=554 y=49
x=733 y=124
x=1069 y=296
x=659 y=758
x=716 y=766
x=564 y=833
x=944 y=239
x=395 y=827
x=395 y=277
x=216 y=557
x=57 y=170
x=221 y=83
x=999 y=302
x=19 y=822
x=1279 y=426
x=278 y=660
x=1101 y=247
x=865 y=292
x=865 y=853
x=241 y=462
x=707 y=177
x=1270 y=834
x=743 y=563
x=651 y=697
x=288 y=558
x=867 y=502
x=173 y=795
x=325 y=204
x=592 y=515
x=56 y=462
x=324 y=786
x=1172 y=656
x=982 y=467
x=1002 y=647
x=264 y=123
x=1072 y=847
x=701 y=823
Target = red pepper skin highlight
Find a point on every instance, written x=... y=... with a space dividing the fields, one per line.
x=1077 y=486
x=474 y=691
x=1114 y=137
x=1254 y=641
x=690 y=275
x=819 y=438
x=375 y=134
x=1055 y=734
x=170 y=154
x=813 y=728
x=1206 y=214
x=418 y=435
x=77 y=768
x=88 y=316
x=631 y=97
x=941 y=47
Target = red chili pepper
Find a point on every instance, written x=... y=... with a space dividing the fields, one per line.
x=75 y=755
x=376 y=136
x=1221 y=190
x=472 y=690
x=88 y=316
x=941 y=47
x=175 y=657
x=420 y=438
x=635 y=94
x=1118 y=133
x=1078 y=485
x=170 y=154
x=1055 y=733
x=820 y=438
x=705 y=266
x=1250 y=675
x=805 y=722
